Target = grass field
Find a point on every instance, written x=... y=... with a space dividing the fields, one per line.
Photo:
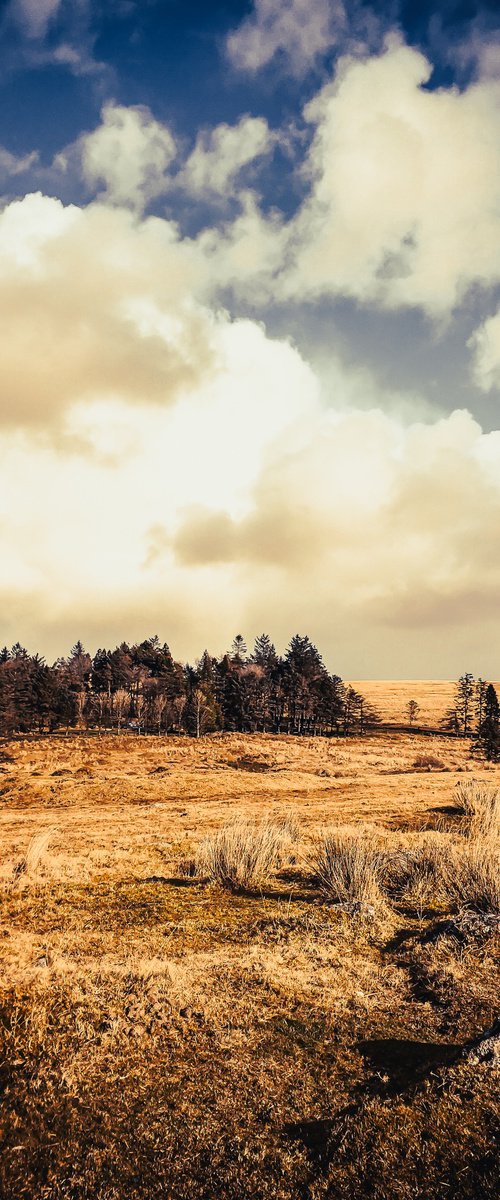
x=390 y=697
x=163 y=1036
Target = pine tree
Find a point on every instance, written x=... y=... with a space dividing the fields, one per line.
x=488 y=742
x=264 y=652
x=239 y=649
x=479 y=699
x=459 y=718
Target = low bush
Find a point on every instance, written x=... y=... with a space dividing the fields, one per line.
x=428 y=762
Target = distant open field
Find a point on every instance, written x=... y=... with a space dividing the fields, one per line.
x=390 y=698
x=165 y=1037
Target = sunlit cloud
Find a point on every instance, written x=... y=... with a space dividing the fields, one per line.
x=220 y=155
x=299 y=31
x=186 y=466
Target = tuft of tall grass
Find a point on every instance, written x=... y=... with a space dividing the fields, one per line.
x=348 y=866
x=241 y=853
x=474 y=876
x=37 y=848
x=480 y=809
x=417 y=875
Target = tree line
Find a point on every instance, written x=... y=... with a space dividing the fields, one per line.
x=142 y=688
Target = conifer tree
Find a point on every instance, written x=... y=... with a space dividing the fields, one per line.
x=488 y=741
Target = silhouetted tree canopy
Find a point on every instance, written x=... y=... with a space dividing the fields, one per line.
x=141 y=687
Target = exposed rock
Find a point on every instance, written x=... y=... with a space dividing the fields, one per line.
x=485 y=1050
x=466 y=928
x=356 y=908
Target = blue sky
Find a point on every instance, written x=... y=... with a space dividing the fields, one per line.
x=251 y=313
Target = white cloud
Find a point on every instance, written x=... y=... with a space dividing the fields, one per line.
x=403 y=205
x=397 y=527
x=247 y=503
x=95 y=305
x=220 y=154
x=129 y=154
x=16 y=164
x=59 y=32
x=485 y=345
x=173 y=451
x=35 y=16
x=247 y=253
x=405 y=201
x=300 y=30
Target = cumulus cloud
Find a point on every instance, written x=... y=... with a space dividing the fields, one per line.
x=404 y=205
x=95 y=305
x=129 y=154
x=300 y=31
x=202 y=483
x=394 y=525
x=485 y=345
x=189 y=471
x=16 y=164
x=403 y=199
x=247 y=254
x=251 y=504
x=57 y=32
x=220 y=154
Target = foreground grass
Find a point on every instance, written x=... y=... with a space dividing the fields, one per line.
x=164 y=1035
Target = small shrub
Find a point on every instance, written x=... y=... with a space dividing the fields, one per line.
x=241 y=854
x=348 y=867
x=428 y=762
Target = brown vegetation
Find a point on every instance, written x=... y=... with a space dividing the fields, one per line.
x=297 y=1033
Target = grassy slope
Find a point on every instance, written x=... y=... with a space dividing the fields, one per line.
x=161 y=1038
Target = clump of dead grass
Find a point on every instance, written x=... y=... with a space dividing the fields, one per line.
x=417 y=875
x=37 y=849
x=428 y=762
x=241 y=854
x=474 y=876
x=348 y=866
x=479 y=806
x=287 y=822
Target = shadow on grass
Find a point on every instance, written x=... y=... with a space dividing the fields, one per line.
x=202 y=881
x=400 y=1064
x=318 y=1136
x=286 y=896
x=179 y=881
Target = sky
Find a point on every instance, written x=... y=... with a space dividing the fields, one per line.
x=250 y=328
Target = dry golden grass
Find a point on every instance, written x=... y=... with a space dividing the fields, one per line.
x=165 y=1037
x=348 y=864
x=480 y=807
x=243 y=854
x=390 y=698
